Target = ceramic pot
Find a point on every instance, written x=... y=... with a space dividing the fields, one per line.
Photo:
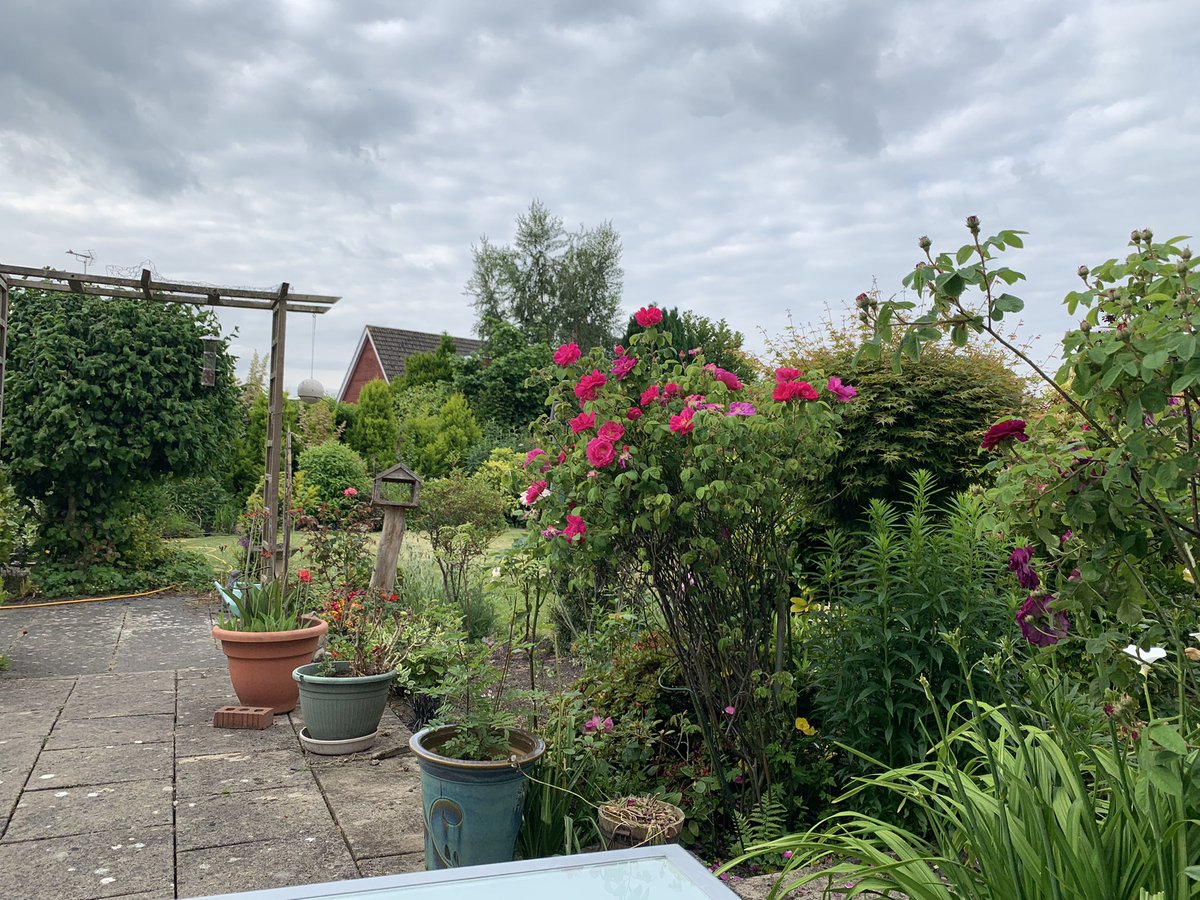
x=341 y=707
x=261 y=662
x=473 y=808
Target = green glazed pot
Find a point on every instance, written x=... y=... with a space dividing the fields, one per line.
x=341 y=707
x=472 y=808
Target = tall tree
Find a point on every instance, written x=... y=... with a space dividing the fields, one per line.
x=104 y=394
x=553 y=285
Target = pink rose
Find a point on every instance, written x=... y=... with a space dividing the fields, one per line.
x=649 y=395
x=843 y=392
x=588 y=384
x=623 y=366
x=634 y=414
x=601 y=452
x=648 y=316
x=350 y=492
x=612 y=431
x=682 y=423
x=671 y=390
x=787 y=374
x=575 y=530
x=582 y=422
x=533 y=454
x=618 y=350
x=534 y=491
x=567 y=354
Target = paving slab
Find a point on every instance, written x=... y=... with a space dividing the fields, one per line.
x=377 y=807
x=102 y=765
x=222 y=820
x=120 y=703
x=113 y=731
x=238 y=771
x=204 y=739
x=90 y=808
x=74 y=640
x=25 y=694
x=17 y=759
x=392 y=865
x=99 y=686
x=172 y=632
x=112 y=863
x=272 y=863
x=33 y=723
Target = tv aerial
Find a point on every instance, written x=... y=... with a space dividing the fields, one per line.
x=85 y=257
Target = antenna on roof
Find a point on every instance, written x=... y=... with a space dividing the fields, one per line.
x=85 y=257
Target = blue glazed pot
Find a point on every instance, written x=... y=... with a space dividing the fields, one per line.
x=341 y=707
x=472 y=808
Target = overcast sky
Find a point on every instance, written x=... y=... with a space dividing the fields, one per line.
x=756 y=157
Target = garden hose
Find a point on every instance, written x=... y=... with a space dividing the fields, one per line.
x=5 y=606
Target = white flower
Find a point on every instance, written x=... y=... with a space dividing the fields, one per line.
x=1148 y=657
x=1195 y=636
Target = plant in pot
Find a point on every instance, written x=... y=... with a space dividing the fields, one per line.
x=474 y=761
x=343 y=696
x=265 y=636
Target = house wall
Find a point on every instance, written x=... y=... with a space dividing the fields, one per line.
x=366 y=369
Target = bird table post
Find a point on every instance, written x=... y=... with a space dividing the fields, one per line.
x=396 y=491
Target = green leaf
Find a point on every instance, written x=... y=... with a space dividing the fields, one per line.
x=964 y=253
x=1008 y=303
x=1167 y=738
x=1166 y=780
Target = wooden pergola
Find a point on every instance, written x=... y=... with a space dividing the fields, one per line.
x=278 y=302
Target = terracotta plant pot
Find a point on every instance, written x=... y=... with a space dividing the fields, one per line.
x=261 y=662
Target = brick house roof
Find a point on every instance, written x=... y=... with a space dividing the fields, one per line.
x=383 y=352
x=395 y=345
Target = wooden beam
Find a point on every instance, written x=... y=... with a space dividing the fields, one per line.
x=3 y=348
x=209 y=299
x=177 y=287
x=145 y=279
x=278 y=568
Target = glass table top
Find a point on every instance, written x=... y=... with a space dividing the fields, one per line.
x=648 y=873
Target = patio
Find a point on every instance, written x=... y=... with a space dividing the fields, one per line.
x=114 y=783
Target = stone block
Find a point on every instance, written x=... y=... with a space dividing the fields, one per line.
x=89 y=808
x=58 y=769
x=114 y=863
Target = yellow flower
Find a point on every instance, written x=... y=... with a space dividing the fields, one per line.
x=803 y=727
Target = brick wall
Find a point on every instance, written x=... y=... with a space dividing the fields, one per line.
x=366 y=369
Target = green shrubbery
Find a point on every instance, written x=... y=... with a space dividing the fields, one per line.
x=331 y=469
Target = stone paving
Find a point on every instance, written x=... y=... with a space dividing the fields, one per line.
x=114 y=783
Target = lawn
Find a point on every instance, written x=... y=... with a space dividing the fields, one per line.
x=226 y=555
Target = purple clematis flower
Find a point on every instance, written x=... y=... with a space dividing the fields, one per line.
x=1039 y=624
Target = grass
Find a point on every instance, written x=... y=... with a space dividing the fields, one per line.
x=226 y=555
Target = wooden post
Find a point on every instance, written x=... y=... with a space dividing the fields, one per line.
x=275 y=435
x=3 y=348
x=384 y=576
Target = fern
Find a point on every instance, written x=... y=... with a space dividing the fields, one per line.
x=766 y=821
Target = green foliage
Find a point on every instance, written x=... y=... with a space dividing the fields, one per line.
x=766 y=821
x=930 y=416
x=1016 y=803
x=275 y=606
x=436 y=366
x=881 y=602
x=330 y=469
x=168 y=568
x=339 y=544
x=690 y=330
x=504 y=471
x=434 y=444
x=461 y=515
x=376 y=431
x=498 y=385
x=101 y=394
x=317 y=423
x=11 y=519
x=1116 y=450
x=552 y=285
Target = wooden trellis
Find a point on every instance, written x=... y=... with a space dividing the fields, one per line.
x=279 y=302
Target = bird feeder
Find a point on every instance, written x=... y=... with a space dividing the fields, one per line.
x=208 y=370
x=396 y=490
x=310 y=390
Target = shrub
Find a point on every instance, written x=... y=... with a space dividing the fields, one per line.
x=879 y=604
x=929 y=416
x=461 y=515
x=376 y=431
x=331 y=468
x=689 y=484
x=435 y=444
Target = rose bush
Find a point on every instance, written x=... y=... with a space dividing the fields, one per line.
x=690 y=484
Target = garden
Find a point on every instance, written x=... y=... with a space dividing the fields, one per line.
x=895 y=611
